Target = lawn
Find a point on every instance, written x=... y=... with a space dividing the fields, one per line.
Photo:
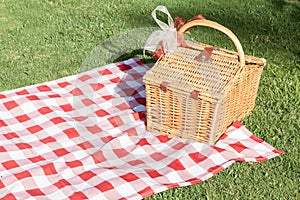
x=45 y=40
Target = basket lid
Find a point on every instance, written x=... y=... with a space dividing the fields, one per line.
x=183 y=71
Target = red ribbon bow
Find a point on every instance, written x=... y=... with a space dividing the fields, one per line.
x=179 y=22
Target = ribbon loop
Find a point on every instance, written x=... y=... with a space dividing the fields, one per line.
x=167 y=37
x=163 y=25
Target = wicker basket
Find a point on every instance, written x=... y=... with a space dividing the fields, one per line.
x=198 y=91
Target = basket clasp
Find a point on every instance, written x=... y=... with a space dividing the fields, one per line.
x=205 y=55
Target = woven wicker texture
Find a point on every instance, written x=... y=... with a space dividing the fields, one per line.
x=198 y=99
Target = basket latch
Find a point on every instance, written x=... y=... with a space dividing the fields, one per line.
x=195 y=94
x=164 y=86
x=205 y=55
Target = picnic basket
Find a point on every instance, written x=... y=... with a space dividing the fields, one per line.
x=198 y=91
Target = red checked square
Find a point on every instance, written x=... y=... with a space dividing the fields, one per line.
x=77 y=195
x=2 y=149
x=97 y=86
x=71 y=133
x=34 y=129
x=60 y=152
x=157 y=156
x=94 y=129
x=101 y=113
x=87 y=175
x=22 y=92
x=153 y=173
x=115 y=80
x=63 y=84
x=66 y=107
x=98 y=157
x=45 y=110
x=33 y=97
x=129 y=177
x=76 y=92
x=54 y=96
x=35 y=192
x=61 y=183
x=10 y=135
x=23 y=145
x=10 y=105
x=75 y=163
x=116 y=121
x=177 y=165
x=178 y=146
x=216 y=169
x=22 y=175
x=88 y=102
x=146 y=192
x=36 y=159
x=197 y=157
x=23 y=118
x=120 y=153
x=43 y=88
x=84 y=78
x=136 y=162
x=124 y=67
x=239 y=147
x=2 y=123
x=57 y=120
x=105 y=72
x=104 y=186
x=143 y=142
x=48 y=140
x=49 y=169
x=1 y=184
x=10 y=164
x=9 y=196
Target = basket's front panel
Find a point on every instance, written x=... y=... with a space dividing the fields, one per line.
x=218 y=124
x=190 y=117
x=153 y=107
x=173 y=110
x=164 y=113
x=178 y=115
x=204 y=118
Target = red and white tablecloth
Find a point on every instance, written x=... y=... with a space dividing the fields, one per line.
x=84 y=137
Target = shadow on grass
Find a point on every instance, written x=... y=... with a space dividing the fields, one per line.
x=272 y=26
x=138 y=53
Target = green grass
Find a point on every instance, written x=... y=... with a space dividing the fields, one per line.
x=46 y=40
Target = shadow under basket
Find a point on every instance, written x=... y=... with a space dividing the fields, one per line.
x=198 y=91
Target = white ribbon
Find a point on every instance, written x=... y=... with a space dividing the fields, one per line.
x=168 y=34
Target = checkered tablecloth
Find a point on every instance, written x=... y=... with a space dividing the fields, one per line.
x=84 y=137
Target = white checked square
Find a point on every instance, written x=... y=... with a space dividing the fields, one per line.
x=126 y=189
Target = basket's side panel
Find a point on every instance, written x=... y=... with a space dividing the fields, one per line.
x=252 y=75
x=241 y=95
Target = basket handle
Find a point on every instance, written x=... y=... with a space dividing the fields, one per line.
x=214 y=25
